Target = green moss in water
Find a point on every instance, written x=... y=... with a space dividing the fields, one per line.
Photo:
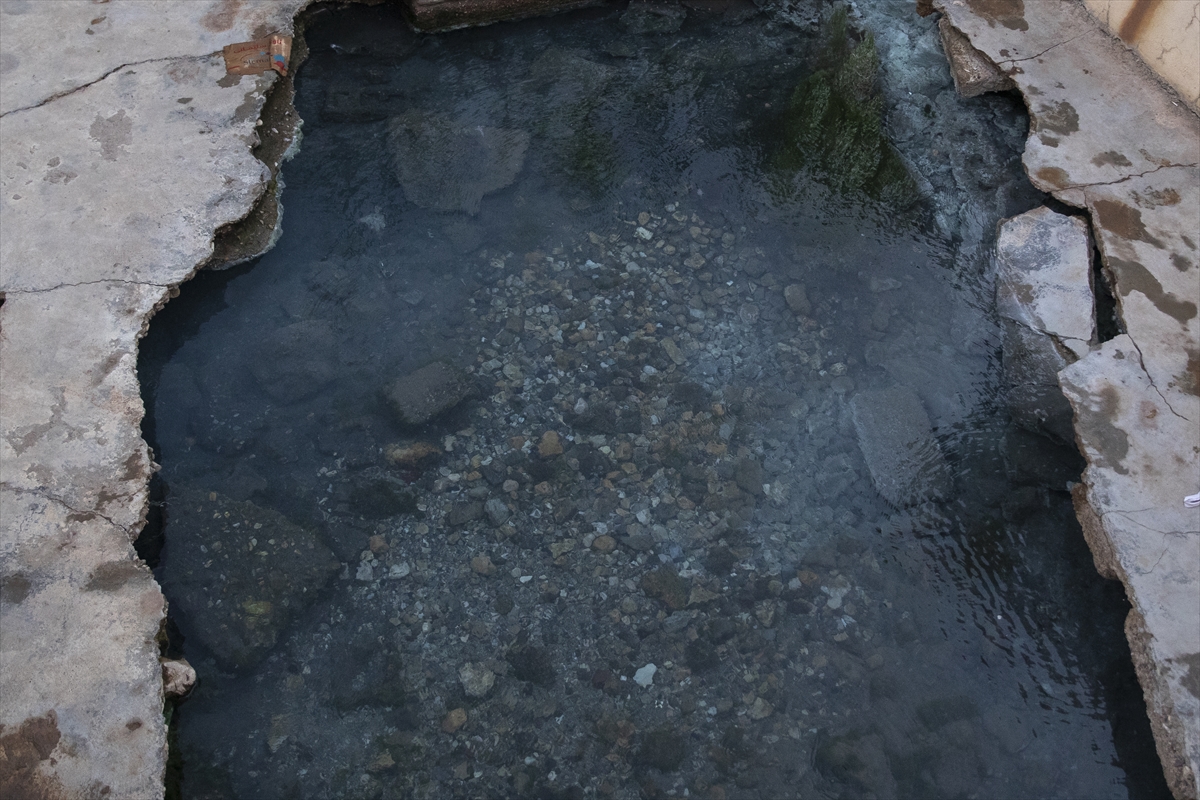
x=592 y=161
x=833 y=125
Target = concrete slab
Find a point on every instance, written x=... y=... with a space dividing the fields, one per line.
x=1141 y=463
x=1106 y=136
x=1048 y=313
x=79 y=626
x=123 y=149
x=66 y=169
x=57 y=47
x=1044 y=276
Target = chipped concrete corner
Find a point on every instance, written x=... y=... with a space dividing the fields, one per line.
x=1107 y=137
x=125 y=148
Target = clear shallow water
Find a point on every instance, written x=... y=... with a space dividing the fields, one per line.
x=609 y=261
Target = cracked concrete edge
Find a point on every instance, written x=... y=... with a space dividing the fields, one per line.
x=1136 y=398
x=99 y=721
x=69 y=48
x=1129 y=507
x=1169 y=729
x=74 y=469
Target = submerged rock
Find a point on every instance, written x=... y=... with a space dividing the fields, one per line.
x=295 y=362
x=420 y=396
x=894 y=434
x=833 y=124
x=642 y=17
x=240 y=573
x=447 y=165
x=663 y=749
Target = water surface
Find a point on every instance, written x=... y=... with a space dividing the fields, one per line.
x=666 y=319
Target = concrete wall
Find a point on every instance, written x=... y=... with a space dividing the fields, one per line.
x=1165 y=33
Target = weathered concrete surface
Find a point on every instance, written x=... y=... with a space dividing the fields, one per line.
x=1107 y=137
x=1048 y=313
x=1165 y=34
x=1044 y=277
x=123 y=148
x=973 y=72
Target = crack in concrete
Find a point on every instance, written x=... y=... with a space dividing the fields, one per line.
x=1038 y=55
x=82 y=86
x=56 y=499
x=87 y=283
x=1150 y=378
x=1127 y=177
x=1127 y=516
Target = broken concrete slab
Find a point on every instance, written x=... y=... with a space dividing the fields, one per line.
x=1048 y=312
x=57 y=180
x=1044 y=276
x=123 y=149
x=71 y=401
x=80 y=619
x=59 y=47
x=1106 y=136
x=1139 y=452
x=973 y=72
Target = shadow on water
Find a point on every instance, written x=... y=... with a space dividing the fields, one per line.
x=542 y=456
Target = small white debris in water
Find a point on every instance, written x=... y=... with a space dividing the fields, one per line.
x=374 y=220
x=644 y=677
x=400 y=570
x=526 y=578
x=643 y=233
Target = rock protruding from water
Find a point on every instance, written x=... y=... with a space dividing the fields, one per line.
x=446 y=164
x=1044 y=297
x=420 y=396
x=896 y=439
x=240 y=573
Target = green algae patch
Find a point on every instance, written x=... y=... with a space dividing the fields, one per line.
x=833 y=124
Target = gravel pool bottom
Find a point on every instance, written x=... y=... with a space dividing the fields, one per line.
x=710 y=492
